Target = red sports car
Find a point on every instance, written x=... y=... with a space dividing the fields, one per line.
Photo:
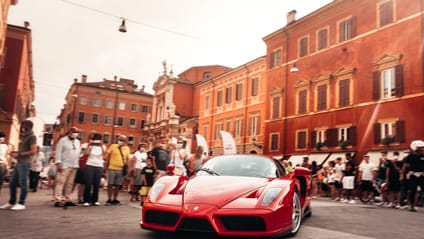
x=231 y=195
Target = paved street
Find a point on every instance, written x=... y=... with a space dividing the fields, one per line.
x=329 y=220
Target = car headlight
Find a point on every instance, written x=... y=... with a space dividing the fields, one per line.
x=156 y=190
x=270 y=196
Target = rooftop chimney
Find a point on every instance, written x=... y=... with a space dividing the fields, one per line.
x=84 y=78
x=115 y=78
x=291 y=16
x=142 y=88
x=26 y=24
x=75 y=80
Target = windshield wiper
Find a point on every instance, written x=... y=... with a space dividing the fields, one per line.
x=209 y=171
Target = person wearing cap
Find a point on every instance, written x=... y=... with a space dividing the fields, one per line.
x=414 y=162
x=26 y=149
x=68 y=150
x=366 y=177
x=118 y=156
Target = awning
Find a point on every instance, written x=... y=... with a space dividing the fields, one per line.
x=297 y=159
x=318 y=157
x=335 y=155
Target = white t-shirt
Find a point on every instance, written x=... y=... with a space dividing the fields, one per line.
x=367 y=170
x=339 y=168
x=95 y=157
x=141 y=157
x=3 y=151
x=37 y=162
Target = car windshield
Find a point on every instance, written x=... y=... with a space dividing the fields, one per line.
x=241 y=165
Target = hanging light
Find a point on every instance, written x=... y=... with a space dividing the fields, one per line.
x=294 y=68
x=122 y=27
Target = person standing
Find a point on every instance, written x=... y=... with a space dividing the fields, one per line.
x=4 y=152
x=414 y=162
x=394 y=166
x=138 y=163
x=366 y=177
x=93 y=170
x=160 y=158
x=348 y=180
x=26 y=149
x=306 y=163
x=68 y=150
x=148 y=173
x=37 y=166
x=118 y=157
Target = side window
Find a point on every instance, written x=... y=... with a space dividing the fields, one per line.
x=347 y=29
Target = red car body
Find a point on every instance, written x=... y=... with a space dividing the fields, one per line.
x=231 y=204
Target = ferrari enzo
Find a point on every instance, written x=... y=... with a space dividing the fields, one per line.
x=231 y=195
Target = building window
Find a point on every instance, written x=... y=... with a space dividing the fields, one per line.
x=205 y=132
x=145 y=109
x=385 y=11
x=347 y=29
x=388 y=83
x=133 y=107
x=275 y=142
x=108 y=120
x=275 y=58
x=132 y=123
x=94 y=118
x=143 y=123
x=81 y=116
x=344 y=92
x=322 y=97
x=389 y=131
x=255 y=86
x=303 y=47
x=228 y=126
x=275 y=110
x=343 y=134
x=254 y=125
x=119 y=121
x=218 y=128
x=322 y=39
x=238 y=127
x=131 y=141
x=121 y=106
x=219 y=98
x=320 y=136
x=82 y=100
x=106 y=138
x=109 y=104
x=301 y=139
x=302 y=101
x=207 y=102
x=228 y=95
x=239 y=91
x=97 y=102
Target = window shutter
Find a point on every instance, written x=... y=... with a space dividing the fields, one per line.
x=377 y=133
x=399 y=80
x=271 y=61
x=341 y=31
x=351 y=135
x=400 y=131
x=313 y=138
x=331 y=140
x=376 y=85
x=352 y=24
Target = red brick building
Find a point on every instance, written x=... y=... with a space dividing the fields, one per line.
x=109 y=107
x=359 y=86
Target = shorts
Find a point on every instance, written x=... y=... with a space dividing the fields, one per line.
x=338 y=184
x=366 y=185
x=114 y=177
x=138 y=178
x=145 y=190
x=394 y=186
x=79 y=178
x=348 y=182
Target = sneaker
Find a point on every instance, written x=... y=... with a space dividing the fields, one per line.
x=337 y=199
x=352 y=201
x=116 y=202
x=412 y=209
x=18 y=207
x=344 y=200
x=96 y=204
x=86 y=204
x=397 y=206
x=6 y=206
x=403 y=207
x=389 y=205
x=108 y=202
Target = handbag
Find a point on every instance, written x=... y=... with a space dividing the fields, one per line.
x=83 y=161
x=125 y=168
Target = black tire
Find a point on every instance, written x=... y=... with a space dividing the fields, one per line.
x=296 y=215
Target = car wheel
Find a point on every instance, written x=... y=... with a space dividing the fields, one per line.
x=296 y=215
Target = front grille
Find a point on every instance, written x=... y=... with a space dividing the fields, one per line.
x=195 y=225
x=161 y=218
x=243 y=223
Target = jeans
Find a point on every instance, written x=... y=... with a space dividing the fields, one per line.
x=92 y=177
x=19 y=177
x=33 y=180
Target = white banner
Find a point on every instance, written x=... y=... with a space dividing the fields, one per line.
x=228 y=143
x=202 y=142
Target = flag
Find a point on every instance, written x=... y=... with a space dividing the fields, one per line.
x=201 y=141
x=228 y=143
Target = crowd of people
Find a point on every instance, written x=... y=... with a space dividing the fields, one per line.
x=394 y=180
x=82 y=169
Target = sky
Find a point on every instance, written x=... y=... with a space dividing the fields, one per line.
x=71 y=38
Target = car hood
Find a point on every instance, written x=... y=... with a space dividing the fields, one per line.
x=219 y=190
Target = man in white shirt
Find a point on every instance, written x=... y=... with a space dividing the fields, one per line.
x=68 y=150
x=37 y=166
x=367 y=173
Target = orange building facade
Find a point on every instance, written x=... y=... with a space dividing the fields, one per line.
x=110 y=107
x=234 y=102
x=359 y=86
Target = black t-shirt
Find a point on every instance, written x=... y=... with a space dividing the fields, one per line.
x=416 y=162
x=150 y=173
x=161 y=158
x=394 y=169
x=349 y=168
